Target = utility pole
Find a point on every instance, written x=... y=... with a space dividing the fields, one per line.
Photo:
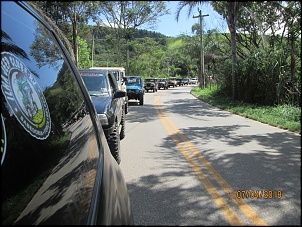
x=92 y=49
x=201 y=76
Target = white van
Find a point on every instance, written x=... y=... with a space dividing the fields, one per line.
x=119 y=74
x=194 y=81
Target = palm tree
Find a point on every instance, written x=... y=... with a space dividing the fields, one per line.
x=229 y=10
x=191 y=5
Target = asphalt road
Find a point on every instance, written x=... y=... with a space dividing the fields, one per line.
x=188 y=163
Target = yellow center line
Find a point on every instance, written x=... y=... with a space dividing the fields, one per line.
x=228 y=212
x=244 y=207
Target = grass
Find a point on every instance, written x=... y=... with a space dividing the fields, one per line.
x=285 y=116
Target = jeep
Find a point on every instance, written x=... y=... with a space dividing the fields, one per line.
x=172 y=82
x=179 y=82
x=151 y=84
x=163 y=83
x=135 y=88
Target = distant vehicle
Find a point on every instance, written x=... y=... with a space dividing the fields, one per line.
x=162 y=83
x=179 y=82
x=135 y=88
x=172 y=82
x=107 y=99
x=56 y=165
x=194 y=80
x=186 y=81
x=151 y=84
x=119 y=74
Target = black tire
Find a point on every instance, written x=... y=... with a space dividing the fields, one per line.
x=126 y=107
x=122 y=134
x=141 y=100
x=114 y=145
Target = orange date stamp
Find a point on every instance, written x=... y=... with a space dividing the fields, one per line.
x=259 y=194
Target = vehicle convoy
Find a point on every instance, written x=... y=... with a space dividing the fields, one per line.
x=172 y=82
x=107 y=99
x=57 y=168
x=151 y=84
x=119 y=74
x=135 y=88
x=162 y=83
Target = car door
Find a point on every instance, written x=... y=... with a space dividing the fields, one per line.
x=117 y=103
x=55 y=161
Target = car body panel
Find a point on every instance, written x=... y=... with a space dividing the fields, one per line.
x=56 y=164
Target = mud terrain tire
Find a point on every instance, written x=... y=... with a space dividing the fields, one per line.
x=114 y=144
x=122 y=133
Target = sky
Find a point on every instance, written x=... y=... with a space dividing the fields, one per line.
x=170 y=27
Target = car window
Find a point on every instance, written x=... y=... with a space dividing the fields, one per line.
x=116 y=75
x=132 y=80
x=48 y=147
x=112 y=83
x=96 y=83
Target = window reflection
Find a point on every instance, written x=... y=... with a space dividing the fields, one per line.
x=41 y=170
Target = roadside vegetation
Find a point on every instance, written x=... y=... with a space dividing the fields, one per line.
x=282 y=116
x=256 y=66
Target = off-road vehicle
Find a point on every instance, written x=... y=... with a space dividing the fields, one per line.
x=163 y=83
x=135 y=88
x=179 y=82
x=172 y=82
x=107 y=99
x=186 y=81
x=119 y=74
x=151 y=84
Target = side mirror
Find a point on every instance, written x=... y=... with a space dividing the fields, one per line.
x=119 y=94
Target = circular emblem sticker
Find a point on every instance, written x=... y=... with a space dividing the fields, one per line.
x=24 y=96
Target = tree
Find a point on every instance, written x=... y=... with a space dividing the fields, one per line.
x=126 y=16
x=229 y=10
x=76 y=13
x=84 y=54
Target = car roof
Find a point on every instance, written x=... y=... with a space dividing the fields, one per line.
x=133 y=76
x=109 y=68
x=93 y=70
x=96 y=71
